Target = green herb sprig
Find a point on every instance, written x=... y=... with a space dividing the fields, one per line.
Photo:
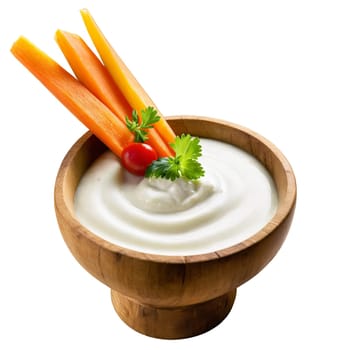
x=139 y=126
x=183 y=164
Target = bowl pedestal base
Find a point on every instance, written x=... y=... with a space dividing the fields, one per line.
x=173 y=322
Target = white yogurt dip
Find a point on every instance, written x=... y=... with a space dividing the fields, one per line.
x=234 y=200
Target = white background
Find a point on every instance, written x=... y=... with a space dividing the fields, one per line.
x=280 y=68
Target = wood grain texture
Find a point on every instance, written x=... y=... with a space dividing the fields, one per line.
x=173 y=322
x=174 y=282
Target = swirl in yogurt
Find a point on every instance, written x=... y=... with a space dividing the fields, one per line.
x=233 y=201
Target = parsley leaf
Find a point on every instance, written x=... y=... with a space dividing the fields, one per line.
x=139 y=126
x=183 y=164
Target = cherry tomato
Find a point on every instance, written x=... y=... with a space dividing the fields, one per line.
x=137 y=156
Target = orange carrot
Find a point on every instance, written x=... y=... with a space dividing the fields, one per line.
x=75 y=96
x=127 y=83
x=94 y=75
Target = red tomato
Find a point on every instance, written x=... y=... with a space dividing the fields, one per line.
x=137 y=156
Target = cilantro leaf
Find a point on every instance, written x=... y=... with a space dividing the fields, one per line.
x=165 y=167
x=183 y=164
x=139 y=126
x=191 y=169
x=187 y=146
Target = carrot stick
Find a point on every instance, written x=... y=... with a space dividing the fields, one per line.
x=130 y=87
x=71 y=93
x=94 y=75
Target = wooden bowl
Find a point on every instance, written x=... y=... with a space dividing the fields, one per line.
x=176 y=296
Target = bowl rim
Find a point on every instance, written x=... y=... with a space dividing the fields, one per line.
x=283 y=210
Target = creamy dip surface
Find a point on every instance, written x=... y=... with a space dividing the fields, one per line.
x=233 y=201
